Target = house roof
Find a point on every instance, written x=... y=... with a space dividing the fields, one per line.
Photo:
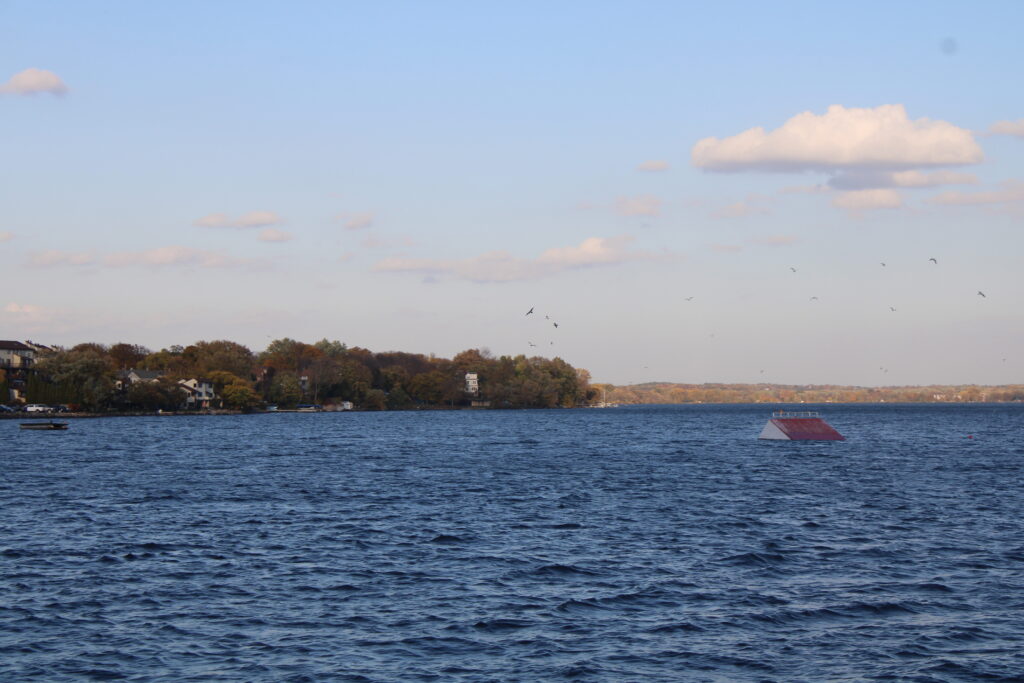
x=14 y=345
x=146 y=374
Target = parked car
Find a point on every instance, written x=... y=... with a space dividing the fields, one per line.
x=38 y=408
x=6 y=409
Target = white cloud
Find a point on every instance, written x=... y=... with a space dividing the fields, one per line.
x=500 y=266
x=753 y=204
x=32 y=81
x=864 y=180
x=865 y=200
x=251 y=219
x=21 y=309
x=6 y=236
x=653 y=166
x=273 y=235
x=806 y=189
x=57 y=257
x=171 y=256
x=26 y=315
x=775 y=240
x=356 y=221
x=1015 y=128
x=1012 y=191
x=644 y=205
x=879 y=138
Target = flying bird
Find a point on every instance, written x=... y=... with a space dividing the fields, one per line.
x=814 y=298
x=891 y=308
x=531 y=343
x=883 y=264
x=555 y=324
x=982 y=294
x=530 y=311
x=934 y=261
x=792 y=268
x=547 y=317
x=689 y=298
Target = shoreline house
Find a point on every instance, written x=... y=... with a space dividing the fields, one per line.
x=199 y=393
x=127 y=378
x=16 y=360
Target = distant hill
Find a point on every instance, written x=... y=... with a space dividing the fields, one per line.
x=668 y=392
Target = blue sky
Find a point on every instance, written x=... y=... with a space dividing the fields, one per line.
x=415 y=176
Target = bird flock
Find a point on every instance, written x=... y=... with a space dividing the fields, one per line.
x=892 y=309
x=548 y=318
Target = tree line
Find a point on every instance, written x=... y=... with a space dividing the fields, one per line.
x=290 y=372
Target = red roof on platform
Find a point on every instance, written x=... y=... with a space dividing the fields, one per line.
x=807 y=429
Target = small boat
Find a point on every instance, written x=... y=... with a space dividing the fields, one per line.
x=47 y=426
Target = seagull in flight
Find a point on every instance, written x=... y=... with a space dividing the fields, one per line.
x=934 y=261
x=883 y=264
x=530 y=311
x=555 y=324
x=792 y=268
x=814 y=298
x=531 y=343
x=689 y=298
x=547 y=317
x=982 y=294
x=891 y=308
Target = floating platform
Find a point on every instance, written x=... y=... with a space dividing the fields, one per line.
x=802 y=426
x=44 y=426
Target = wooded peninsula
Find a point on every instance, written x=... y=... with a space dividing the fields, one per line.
x=223 y=374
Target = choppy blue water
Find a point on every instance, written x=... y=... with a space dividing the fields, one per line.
x=632 y=544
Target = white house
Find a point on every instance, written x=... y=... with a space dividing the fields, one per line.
x=199 y=392
x=472 y=384
x=14 y=354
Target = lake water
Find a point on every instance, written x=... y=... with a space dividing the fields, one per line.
x=630 y=544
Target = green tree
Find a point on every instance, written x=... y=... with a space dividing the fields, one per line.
x=285 y=389
x=240 y=396
x=375 y=400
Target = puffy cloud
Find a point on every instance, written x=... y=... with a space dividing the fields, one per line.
x=644 y=205
x=1015 y=128
x=500 y=266
x=171 y=256
x=21 y=309
x=864 y=200
x=57 y=257
x=864 y=180
x=753 y=205
x=32 y=81
x=252 y=219
x=273 y=235
x=356 y=221
x=653 y=166
x=6 y=236
x=842 y=138
x=590 y=252
x=1011 y=191
x=25 y=315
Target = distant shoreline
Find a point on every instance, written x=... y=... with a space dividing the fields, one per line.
x=47 y=417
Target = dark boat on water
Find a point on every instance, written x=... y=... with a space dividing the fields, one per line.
x=46 y=426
